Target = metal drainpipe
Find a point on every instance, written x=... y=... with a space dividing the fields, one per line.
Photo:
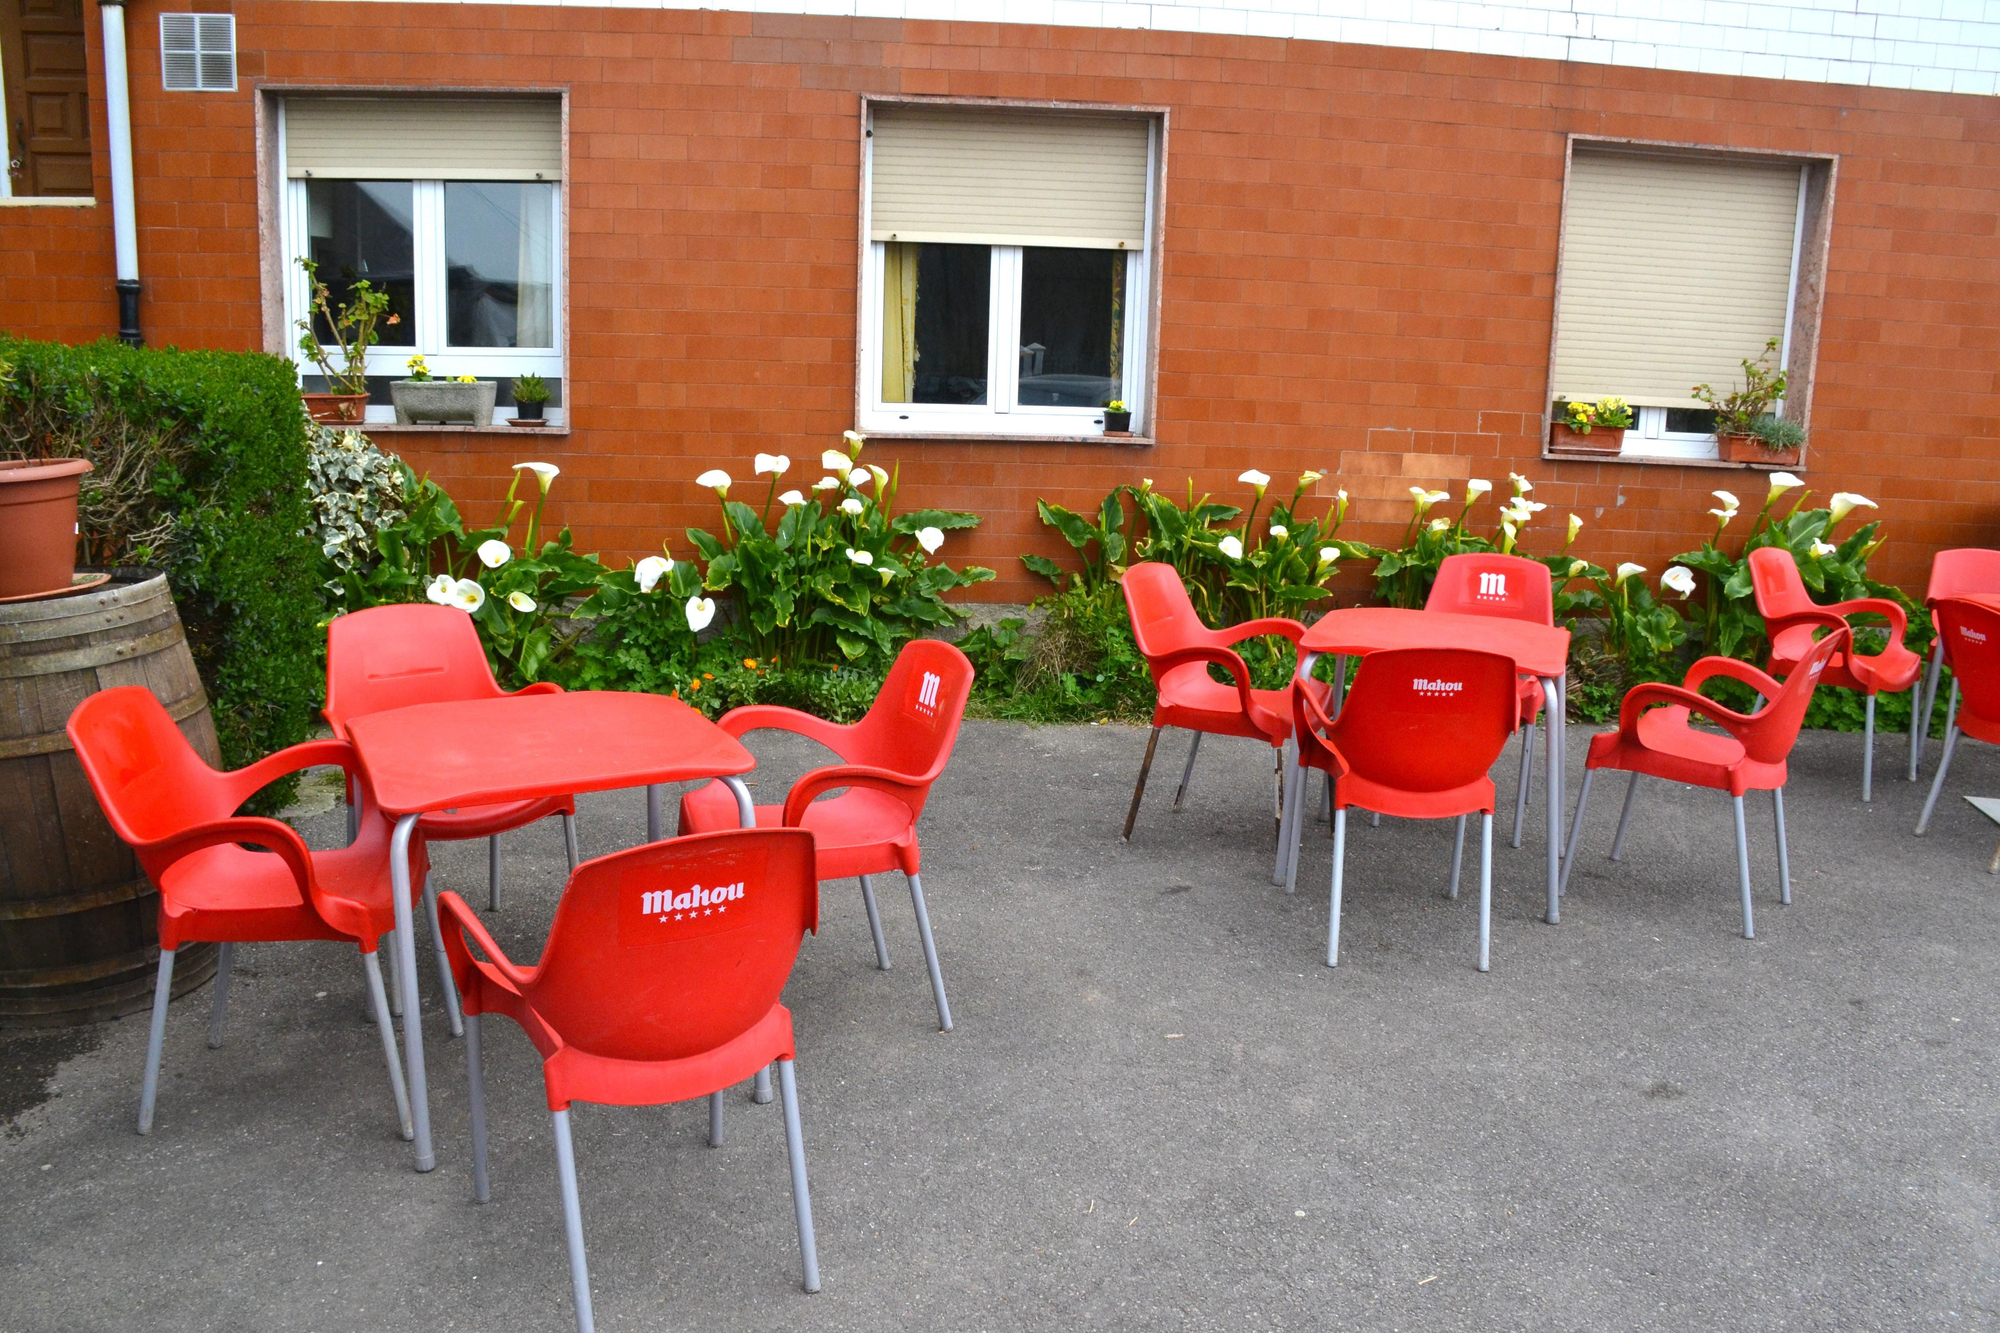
x=124 y=223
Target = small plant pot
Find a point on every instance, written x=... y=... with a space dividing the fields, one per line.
x=336 y=409
x=1602 y=440
x=1117 y=423
x=38 y=525
x=1745 y=449
x=444 y=402
x=530 y=411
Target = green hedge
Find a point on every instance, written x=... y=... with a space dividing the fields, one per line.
x=201 y=471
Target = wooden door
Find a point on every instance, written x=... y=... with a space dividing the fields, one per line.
x=48 y=97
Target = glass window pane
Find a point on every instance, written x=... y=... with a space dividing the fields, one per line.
x=360 y=231
x=935 y=303
x=1072 y=326
x=1690 y=421
x=499 y=254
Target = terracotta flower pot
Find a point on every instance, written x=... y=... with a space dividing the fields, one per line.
x=1602 y=440
x=38 y=525
x=1745 y=449
x=336 y=409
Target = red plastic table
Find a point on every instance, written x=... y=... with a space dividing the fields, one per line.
x=442 y=756
x=1538 y=650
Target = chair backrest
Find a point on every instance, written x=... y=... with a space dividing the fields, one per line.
x=1427 y=719
x=1163 y=618
x=147 y=777
x=676 y=947
x=1961 y=573
x=1486 y=583
x=395 y=656
x=1971 y=636
x=1769 y=739
x=913 y=723
x=1774 y=578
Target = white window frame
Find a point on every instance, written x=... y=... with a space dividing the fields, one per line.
x=429 y=316
x=1002 y=415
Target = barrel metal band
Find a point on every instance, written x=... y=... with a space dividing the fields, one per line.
x=54 y=742
x=97 y=655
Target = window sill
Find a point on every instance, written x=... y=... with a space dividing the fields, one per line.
x=1656 y=460
x=498 y=428
x=983 y=437
x=49 y=201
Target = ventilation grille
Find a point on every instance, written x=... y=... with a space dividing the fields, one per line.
x=198 y=53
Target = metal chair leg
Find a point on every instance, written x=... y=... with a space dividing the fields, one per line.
x=715 y=1119
x=1527 y=776
x=1743 y=867
x=930 y=951
x=1868 y=750
x=493 y=873
x=226 y=956
x=760 y=1087
x=1624 y=818
x=1278 y=777
x=579 y=1271
x=655 y=795
x=1922 y=726
x=1784 y=852
x=395 y=977
x=1291 y=800
x=1339 y=865
x=1180 y=792
x=475 y=1077
x=569 y=840
x=875 y=924
x=371 y=963
x=453 y=1010
x=1457 y=856
x=1485 y=886
x=1139 y=789
x=1297 y=833
x=156 y=1038
x=1944 y=760
x=1575 y=823
x=795 y=1148
x=1916 y=724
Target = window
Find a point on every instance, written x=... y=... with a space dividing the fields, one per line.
x=1675 y=268
x=45 y=93
x=453 y=208
x=1004 y=289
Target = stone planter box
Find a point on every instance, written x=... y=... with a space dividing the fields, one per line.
x=443 y=401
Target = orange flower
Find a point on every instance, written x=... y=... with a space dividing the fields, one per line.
x=750 y=662
x=695 y=687
x=708 y=675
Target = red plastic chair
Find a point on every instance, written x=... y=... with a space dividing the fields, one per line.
x=1970 y=634
x=1960 y=573
x=1179 y=649
x=1750 y=756
x=396 y=656
x=1510 y=587
x=1791 y=618
x=659 y=983
x=889 y=759
x=179 y=815
x=1419 y=730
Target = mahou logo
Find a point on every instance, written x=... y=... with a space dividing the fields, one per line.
x=1493 y=586
x=1422 y=686
x=667 y=905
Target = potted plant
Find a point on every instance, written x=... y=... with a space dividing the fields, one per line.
x=1778 y=439
x=353 y=326
x=1117 y=418
x=530 y=397
x=1737 y=412
x=424 y=397
x=1589 y=428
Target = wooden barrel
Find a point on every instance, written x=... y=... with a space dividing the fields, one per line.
x=78 y=919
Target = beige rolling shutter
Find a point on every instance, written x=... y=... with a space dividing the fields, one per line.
x=1008 y=178
x=1674 y=269
x=427 y=138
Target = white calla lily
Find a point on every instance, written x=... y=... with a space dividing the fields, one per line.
x=776 y=465
x=1475 y=488
x=1521 y=484
x=827 y=484
x=834 y=461
x=715 y=479
x=1253 y=477
x=860 y=557
x=649 y=571
x=1728 y=501
x=1309 y=476
x=700 y=610
x=881 y=477
x=854 y=438
x=521 y=602
x=1578 y=568
x=1230 y=547
x=1678 y=578
x=545 y=473
x=1782 y=482
x=494 y=553
x=467 y=596
x=440 y=589
x=791 y=499
x=930 y=539
x=1279 y=531
x=1328 y=554
x=1626 y=571
x=1440 y=524
x=851 y=505
x=1575 y=526
x=859 y=477
x=1821 y=550
x=1844 y=503
x=1723 y=515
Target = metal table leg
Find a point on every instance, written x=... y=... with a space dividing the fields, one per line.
x=1552 y=778
x=406 y=964
x=1295 y=786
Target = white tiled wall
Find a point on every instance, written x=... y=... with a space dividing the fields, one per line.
x=1940 y=45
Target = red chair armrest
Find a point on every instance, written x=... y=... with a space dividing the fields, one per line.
x=1898 y=618
x=277 y=835
x=738 y=722
x=452 y=910
x=1710 y=667
x=1641 y=697
x=1254 y=629
x=539 y=687
x=835 y=776
x=246 y=782
x=1238 y=670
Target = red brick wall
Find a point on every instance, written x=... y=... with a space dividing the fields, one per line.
x=1359 y=259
